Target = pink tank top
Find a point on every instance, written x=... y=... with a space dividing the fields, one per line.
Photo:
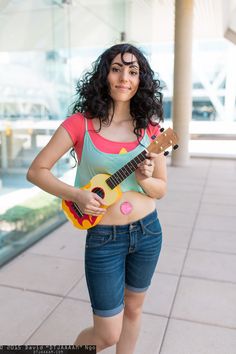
x=75 y=126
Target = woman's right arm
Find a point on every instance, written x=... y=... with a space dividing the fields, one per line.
x=40 y=174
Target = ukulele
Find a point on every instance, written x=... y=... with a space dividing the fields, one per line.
x=107 y=186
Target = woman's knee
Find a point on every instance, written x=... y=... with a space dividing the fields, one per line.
x=108 y=329
x=110 y=338
x=133 y=305
x=133 y=312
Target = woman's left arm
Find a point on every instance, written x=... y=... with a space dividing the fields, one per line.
x=152 y=175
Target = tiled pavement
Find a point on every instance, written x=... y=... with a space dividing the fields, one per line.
x=191 y=305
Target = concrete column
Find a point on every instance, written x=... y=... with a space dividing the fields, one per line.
x=182 y=94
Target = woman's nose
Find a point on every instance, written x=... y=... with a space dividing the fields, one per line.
x=124 y=76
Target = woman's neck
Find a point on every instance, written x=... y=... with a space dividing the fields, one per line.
x=121 y=112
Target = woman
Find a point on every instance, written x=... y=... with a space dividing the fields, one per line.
x=112 y=122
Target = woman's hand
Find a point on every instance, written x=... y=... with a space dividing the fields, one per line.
x=89 y=203
x=152 y=175
x=146 y=168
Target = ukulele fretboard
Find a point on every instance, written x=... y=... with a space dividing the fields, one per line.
x=124 y=172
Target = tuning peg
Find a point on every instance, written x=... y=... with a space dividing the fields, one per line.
x=175 y=146
x=162 y=130
x=166 y=153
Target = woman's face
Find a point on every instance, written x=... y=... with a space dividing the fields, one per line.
x=123 y=79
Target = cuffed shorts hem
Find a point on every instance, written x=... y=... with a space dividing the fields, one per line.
x=136 y=290
x=108 y=313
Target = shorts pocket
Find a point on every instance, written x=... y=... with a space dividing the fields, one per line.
x=97 y=239
x=153 y=228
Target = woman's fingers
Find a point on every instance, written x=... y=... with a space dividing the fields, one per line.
x=94 y=209
x=94 y=212
x=151 y=155
x=90 y=203
x=146 y=167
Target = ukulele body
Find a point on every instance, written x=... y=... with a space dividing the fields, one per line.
x=96 y=185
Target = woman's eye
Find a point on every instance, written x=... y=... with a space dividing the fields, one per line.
x=133 y=73
x=114 y=70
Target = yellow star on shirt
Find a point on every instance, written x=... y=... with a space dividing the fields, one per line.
x=123 y=151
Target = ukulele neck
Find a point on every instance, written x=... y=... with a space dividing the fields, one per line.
x=124 y=172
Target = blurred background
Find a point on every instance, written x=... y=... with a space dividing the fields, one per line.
x=46 y=45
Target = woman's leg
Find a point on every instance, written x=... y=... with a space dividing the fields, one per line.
x=140 y=266
x=105 y=332
x=131 y=322
x=105 y=272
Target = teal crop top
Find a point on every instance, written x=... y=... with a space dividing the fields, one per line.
x=94 y=161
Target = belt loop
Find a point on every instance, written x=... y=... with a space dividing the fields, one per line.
x=142 y=227
x=114 y=232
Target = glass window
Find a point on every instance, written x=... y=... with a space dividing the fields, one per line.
x=45 y=46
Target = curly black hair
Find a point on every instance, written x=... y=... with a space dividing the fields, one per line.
x=93 y=90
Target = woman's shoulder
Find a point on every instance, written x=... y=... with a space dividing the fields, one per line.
x=75 y=126
x=74 y=120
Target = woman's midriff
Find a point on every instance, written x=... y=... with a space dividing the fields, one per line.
x=140 y=205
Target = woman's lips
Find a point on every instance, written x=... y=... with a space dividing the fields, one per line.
x=123 y=87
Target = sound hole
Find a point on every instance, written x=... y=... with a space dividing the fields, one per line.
x=99 y=191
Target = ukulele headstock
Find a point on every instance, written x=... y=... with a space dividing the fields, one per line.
x=166 y=139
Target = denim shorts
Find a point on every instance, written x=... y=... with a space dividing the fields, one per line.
x=119 y=257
